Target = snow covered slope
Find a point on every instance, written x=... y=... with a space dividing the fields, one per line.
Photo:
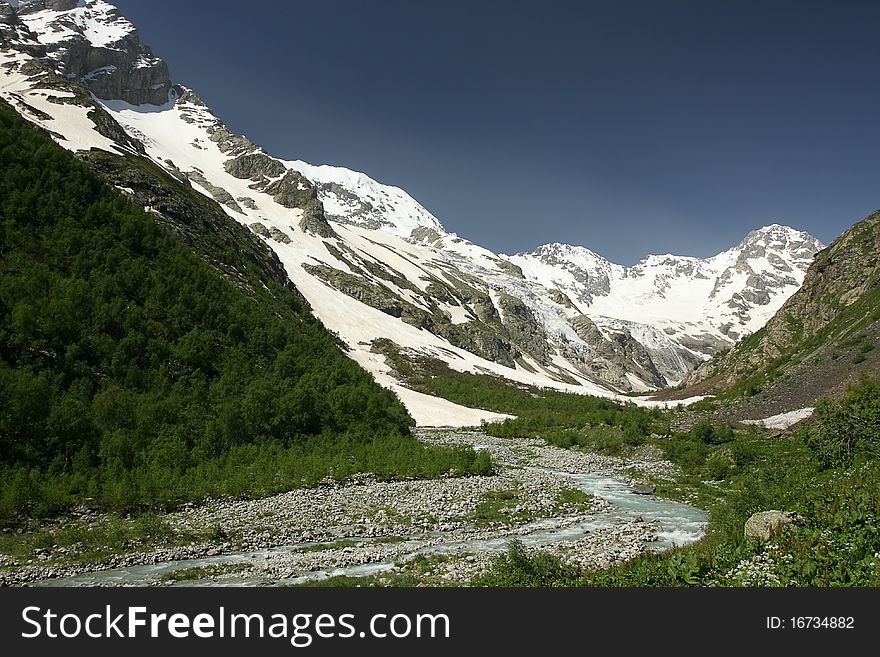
x=700 y=304
x=378 y=268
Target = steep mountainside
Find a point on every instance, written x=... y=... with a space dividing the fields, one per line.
x=374 y=265
x=135 y=370
x=821 y=339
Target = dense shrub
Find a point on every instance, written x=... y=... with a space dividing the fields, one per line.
x=518 y=568
x=848 y=427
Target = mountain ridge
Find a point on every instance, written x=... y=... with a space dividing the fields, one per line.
x=372 y=262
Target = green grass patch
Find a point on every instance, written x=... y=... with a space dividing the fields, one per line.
x=75 y=541
x=495 y=508
x=572 y=500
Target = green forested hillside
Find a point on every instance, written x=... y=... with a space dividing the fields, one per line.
x=132 y=373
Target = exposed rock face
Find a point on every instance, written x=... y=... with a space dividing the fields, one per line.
x=133 y=74
x=590 y=281
x=255 y=166
x=13 y=32
x=295 y=191
x=359 y=211
x=260 y=229
x=764 y=525
x=509 y=268
x=840 y=276
x=217 y=193
x=93 y=44
x=31 y=6
x=230 y=143
x=279 y=236
x=292 y=190
x=524 y=330
x=733 y=293
x=425 y=234
x=615 y=355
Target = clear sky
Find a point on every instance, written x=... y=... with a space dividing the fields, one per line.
x=630 y=127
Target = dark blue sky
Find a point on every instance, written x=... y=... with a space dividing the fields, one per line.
x=629 y=127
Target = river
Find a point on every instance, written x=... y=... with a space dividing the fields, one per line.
x=623 y=524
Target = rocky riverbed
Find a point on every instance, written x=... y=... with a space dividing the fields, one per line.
x=444 y=530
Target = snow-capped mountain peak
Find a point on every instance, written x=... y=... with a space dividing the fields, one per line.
x=377 y=267
x=351 y=197
x=727 y=296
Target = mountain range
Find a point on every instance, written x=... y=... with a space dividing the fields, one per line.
x=376 y=267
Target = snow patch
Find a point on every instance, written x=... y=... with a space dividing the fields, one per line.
x=783 y=420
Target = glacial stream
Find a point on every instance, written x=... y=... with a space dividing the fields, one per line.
x=678 y=524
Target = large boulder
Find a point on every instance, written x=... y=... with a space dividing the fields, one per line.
x=762 y=526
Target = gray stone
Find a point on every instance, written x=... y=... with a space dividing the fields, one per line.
x=260 y=229
x=254 y=166
x=644 y=489
x=218 y=193
x=279 y=236
x=762 y=526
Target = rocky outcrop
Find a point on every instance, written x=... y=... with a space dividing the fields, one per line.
x=255 y=166
x=13 y=33
x=590 y=282
x=96 y=46
x=562 y=299
x=425 y=235
x=295 y=191
x=488 y=340
x=510 y=268
x=229 y=143
x=524 y=329
x=7 y=15
x=131 y=73
x=375 y=296
x=279 y=236
x=32 y=6
x=260 y=229
x=615 y=355
x=292 y=190
x=217 y=193
x=358 y=211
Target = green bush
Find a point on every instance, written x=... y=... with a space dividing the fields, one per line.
x=517 y=568
x=849 y=427
x=711 y=434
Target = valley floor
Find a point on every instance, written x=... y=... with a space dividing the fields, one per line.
x=577 y=505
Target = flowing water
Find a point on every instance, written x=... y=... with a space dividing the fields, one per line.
x=678 y=524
